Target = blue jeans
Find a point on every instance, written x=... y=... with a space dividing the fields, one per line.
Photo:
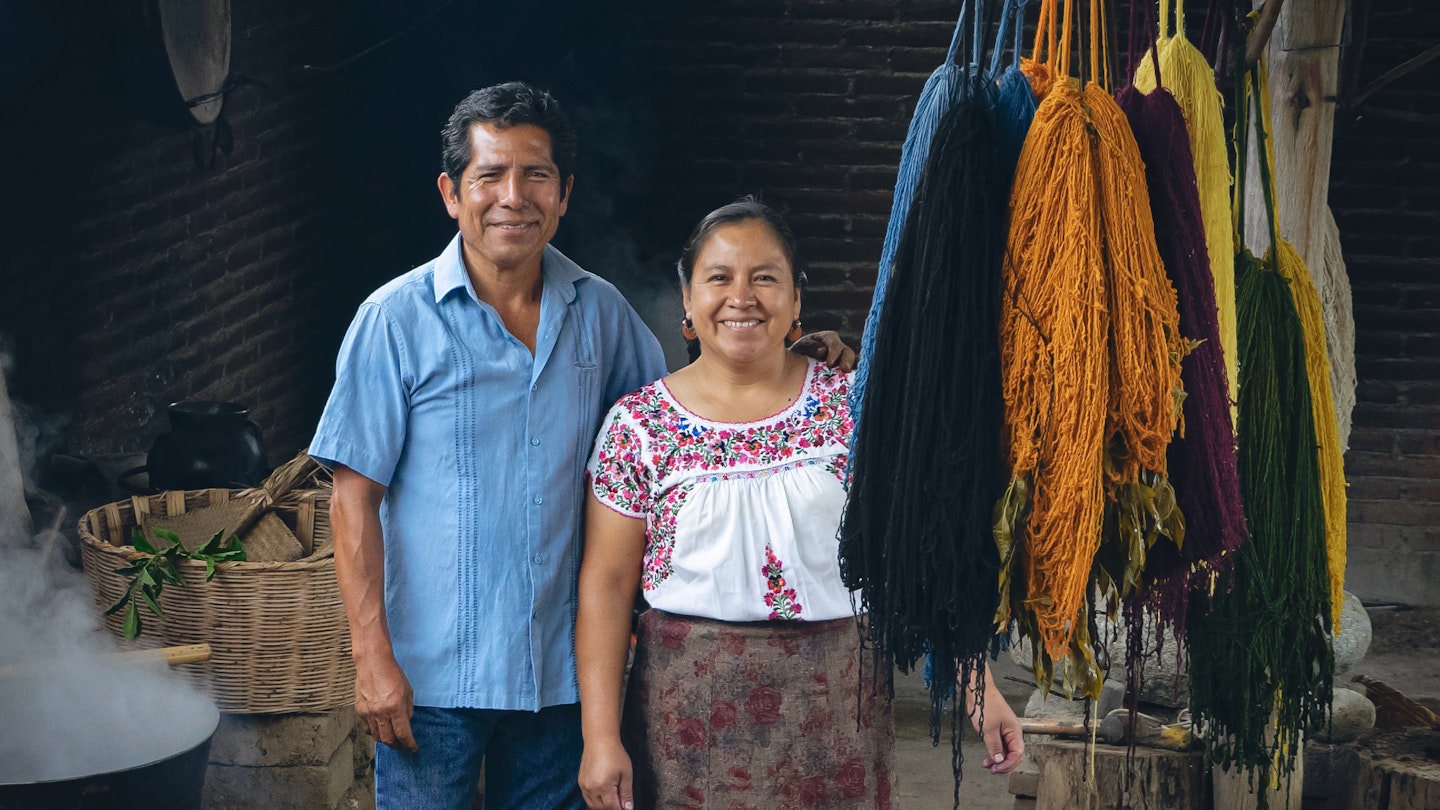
x=531 y=760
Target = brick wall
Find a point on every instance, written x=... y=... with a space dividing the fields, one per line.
x=1385 y=176
x=805 y=102
x=133 y=274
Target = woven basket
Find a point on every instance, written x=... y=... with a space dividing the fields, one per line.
x=277 y=630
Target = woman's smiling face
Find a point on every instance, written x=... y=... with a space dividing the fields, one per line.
x=742 y=295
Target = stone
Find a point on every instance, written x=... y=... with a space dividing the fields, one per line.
x=1351 y=715
x=1353 y=640
x=281 y=739
x=1022 y=653
x=1048 y=706
x=1112 y=696
x=1163 y=679
x=293 y=787
x=1024 y=781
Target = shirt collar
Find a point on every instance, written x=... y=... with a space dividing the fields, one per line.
x=558 y=272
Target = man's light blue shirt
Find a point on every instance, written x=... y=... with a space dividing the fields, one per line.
x=482 y=448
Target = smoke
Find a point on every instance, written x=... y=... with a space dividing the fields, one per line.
x=612 y=195
x=69 y=707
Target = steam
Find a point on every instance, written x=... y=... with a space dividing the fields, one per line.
x=68 y=708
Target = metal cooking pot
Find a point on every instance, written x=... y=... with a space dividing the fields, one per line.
x=175 y=782
x=157 y=763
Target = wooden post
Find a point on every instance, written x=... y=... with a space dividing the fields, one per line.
x=1303 y=55
x=1392 y=769
x=1232 y=789
x=1163 y=780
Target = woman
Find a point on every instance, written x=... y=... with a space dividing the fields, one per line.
x=719 y=490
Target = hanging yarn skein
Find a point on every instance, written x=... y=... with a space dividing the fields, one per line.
x=925 y=463
x=1190 y=79
x=1260 y=661
x=936 y=98
x=1090 y=361
x=1202 y=460
x=1015 y=100
x=1289 y=264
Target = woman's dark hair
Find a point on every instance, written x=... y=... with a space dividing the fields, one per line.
x=742 y=210
x=507 y=105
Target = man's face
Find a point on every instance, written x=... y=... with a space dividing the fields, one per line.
x=510 y=198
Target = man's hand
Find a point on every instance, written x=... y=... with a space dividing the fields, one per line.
x=828 y=348
x=385 y=702
x=606 y=778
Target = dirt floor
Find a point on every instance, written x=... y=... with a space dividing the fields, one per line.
x=1405 y=652
x=925 y=777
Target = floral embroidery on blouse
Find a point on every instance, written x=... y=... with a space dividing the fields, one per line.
x=780 y=599
x=661 y=544
x=649 y=441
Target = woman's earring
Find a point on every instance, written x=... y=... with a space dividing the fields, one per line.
x=795 y=331
x=687 y=328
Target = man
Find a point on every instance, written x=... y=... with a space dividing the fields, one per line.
x=467 y=395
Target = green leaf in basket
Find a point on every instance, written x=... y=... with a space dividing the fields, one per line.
x=150 y=575
x=151 y=603
x=132 y=622
x=211 y=547
x=118 y=603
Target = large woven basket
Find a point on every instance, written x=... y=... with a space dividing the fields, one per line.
x=277 y=631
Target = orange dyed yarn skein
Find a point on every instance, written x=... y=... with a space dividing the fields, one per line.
x=1089 y=334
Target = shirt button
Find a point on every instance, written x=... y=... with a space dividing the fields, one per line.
x=535 y=440
x=534 y=387
x=537 y=559
x=539 y=500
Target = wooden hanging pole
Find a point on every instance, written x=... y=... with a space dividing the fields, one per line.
x=1259 y=36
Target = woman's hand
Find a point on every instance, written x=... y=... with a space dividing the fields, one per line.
x=606 y=779
x=1004 y=742
x=1000 y=728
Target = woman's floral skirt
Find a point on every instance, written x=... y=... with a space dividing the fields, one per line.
x=756 y=715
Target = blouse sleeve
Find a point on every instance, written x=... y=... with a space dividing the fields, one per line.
x=617 y=473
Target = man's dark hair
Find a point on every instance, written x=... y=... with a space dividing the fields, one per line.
x=507 y=105
x=742 y=210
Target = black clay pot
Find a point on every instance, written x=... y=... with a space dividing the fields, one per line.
x=210 y=444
